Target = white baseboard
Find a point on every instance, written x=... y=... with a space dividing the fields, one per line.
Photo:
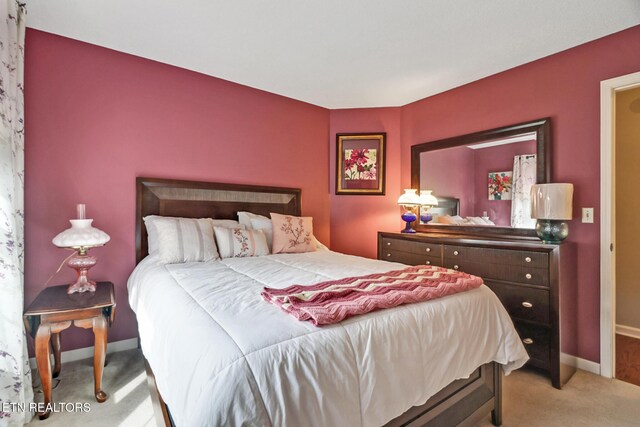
x=580 y=363
x=588 y=365
x=628 y=331
x=87 y=352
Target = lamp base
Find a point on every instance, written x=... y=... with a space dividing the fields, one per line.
x=408 y=217
x=425 y=218
x=82 y=263
x=552 y=230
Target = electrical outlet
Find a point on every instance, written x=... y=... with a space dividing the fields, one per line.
x=587 y=215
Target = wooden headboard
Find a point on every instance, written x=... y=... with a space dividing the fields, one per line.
x=195 y=199
x=446 y=206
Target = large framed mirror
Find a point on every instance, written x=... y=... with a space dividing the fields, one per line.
x=482 y=180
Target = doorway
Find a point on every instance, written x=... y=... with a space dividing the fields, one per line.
x=620 y=180
x=627 y=235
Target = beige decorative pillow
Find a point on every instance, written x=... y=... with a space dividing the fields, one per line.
x=152 y=233
x=184 y=239
x=238 y=242
x=292 y=234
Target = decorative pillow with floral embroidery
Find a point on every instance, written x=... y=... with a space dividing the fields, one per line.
x=292 y=234
x=238 y=242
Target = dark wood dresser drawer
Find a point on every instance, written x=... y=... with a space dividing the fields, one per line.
x=509 y=273
x=523 y=303
x=409 y=258
x=526 y=259
x=536 y=342
x=533 y=280
x=430 y=249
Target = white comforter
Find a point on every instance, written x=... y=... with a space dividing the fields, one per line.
x=223 y=356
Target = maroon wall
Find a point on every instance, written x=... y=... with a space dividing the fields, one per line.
x=565 y=87
x=96 y=119
x=450 y=173
x=356 y=220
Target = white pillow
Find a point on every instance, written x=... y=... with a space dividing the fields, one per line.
x=152 y=234
x=184 y=239
x=238 y=242
x=229 y=223
x=318 y=244
x=266 y=226
x=245 y=218
x=488 y=221
x=476 y=220
x=445 y=219
x=479 y=220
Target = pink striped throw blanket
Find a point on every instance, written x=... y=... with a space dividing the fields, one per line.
x=330 y=302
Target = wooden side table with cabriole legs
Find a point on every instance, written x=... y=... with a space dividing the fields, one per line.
x=52 y=312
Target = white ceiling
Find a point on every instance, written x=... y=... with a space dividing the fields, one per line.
x=338 y=53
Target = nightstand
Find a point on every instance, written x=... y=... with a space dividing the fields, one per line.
x=52 y=312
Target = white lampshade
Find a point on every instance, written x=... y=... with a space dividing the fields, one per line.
x=409 y=198
x=81 y=235
x=552 y=201
x=428 y=199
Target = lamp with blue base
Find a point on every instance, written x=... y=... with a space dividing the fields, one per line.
x=409 y=200
x=427 y=201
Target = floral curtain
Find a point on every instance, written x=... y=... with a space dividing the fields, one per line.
x=15 y=374
x=524 y=176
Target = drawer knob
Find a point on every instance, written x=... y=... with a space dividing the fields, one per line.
x=527 y=304
x=428 y=262
x=455 y=252
x=528 y=259
x=455 y=267
x=428 y=249
x=388 y=255
x=527 y=341
x=388 y=243
x=528 y=275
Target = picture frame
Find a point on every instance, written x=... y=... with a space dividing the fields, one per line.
x=361 y=163
x=500 y=185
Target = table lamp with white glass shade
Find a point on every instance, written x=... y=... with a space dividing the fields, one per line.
x=427 y=201
x=81 y=237
x=552 y=205
x=409 y=200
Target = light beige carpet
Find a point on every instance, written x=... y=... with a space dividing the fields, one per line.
x=124 y=380
x=529 y=400
x=587 y=400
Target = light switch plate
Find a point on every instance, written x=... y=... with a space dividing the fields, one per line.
x=587 y=215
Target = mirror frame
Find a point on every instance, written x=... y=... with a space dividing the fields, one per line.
x=542 y=129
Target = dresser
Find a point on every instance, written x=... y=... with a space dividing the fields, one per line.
x=535 y=282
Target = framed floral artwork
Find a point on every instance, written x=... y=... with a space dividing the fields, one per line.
x=500 y=184
x=360 y=163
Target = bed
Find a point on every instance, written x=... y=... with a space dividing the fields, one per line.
x=225 y=357
x=448 y=213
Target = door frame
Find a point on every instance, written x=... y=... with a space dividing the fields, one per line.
x=608 y=89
